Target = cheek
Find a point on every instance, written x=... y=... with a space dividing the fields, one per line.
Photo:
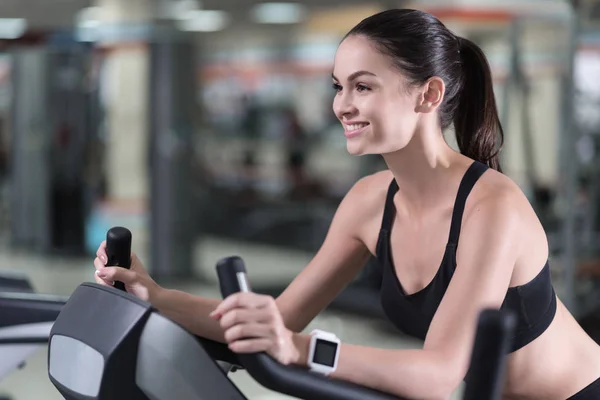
x=402 y=112
x=396 y=121
x=371 y=108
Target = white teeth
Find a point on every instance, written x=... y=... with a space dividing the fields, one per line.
x=355 y=127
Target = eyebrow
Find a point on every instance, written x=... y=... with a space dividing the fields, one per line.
x=355 y=75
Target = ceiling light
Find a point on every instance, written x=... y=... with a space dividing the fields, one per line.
x=182 y=8
x=12 y=28
x=88 y=22
x=89 y=17
x=176 y=9
x=204 y=21
x=278 y=13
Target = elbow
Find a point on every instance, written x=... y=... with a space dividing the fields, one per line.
x=436 y=388
x=444 y=390
x=440 y=392
x=447 y=380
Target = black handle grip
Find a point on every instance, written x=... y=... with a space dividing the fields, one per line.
x=290 y=380
x=485 y=379
x=118 y=250
x=232 y=276
x=219 y=351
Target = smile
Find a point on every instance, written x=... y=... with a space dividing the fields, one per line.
x=352 y=130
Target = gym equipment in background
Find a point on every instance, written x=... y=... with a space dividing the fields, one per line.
x=25 y=321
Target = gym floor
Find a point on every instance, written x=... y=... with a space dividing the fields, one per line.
x=61 y=276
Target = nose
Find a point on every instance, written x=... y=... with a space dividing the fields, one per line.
x=343 y=106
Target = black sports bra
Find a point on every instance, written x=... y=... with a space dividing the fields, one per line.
x=533 y=303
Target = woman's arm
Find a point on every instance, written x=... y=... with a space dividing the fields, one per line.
x=490 y=244
x=191 y=312
x=413 y=374
x=341 y=257
x=337 y=262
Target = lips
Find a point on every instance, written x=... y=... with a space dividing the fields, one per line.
x=354 y=129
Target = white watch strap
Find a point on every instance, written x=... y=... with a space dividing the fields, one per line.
x=324 y=334
x=322 y=368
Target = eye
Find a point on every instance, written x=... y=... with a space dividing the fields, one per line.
x=336 y=87
x=362 y=88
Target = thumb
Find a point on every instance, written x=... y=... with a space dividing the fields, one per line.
x=120 y=274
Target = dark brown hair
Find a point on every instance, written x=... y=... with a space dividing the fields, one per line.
x=421 y=46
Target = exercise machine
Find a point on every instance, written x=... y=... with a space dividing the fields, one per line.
x=108 y=344
x=25 y=321
x=14 y=282
x=26 y=317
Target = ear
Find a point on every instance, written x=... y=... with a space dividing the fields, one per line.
x=432 y=95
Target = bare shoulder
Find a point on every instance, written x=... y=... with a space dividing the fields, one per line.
x=498 y=203
x=368 y=193
x=496 y=192
x=374 y=184
x=364 y=204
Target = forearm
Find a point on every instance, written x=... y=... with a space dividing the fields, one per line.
x=415 y=374
x=191 y=312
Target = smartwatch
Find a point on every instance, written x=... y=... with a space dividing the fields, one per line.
x=324 y=352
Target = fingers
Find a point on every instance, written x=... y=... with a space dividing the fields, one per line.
x=252 y=323
x=136 y=264
x=101 y=252
x=98 y=264
x=249 y=330
x=107 y=275
x=241 y=316
x=112 y=274
x=102 y=281
x=247 y=315
x=251 y=345
x=247 y=300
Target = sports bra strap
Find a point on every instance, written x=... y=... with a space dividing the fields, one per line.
x=466 y=185
x=390 y=210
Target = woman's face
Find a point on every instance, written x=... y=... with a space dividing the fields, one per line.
x=372 y=102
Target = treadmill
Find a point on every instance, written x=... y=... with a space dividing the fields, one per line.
x=108 y=344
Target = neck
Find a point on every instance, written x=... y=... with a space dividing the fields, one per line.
x=423 y=170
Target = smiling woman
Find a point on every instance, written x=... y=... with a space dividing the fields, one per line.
x=451 y=233
x=438 y=59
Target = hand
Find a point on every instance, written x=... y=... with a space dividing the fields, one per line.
x=252 y=323
x=137 y=281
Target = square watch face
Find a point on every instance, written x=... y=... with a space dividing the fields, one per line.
x=324 y=352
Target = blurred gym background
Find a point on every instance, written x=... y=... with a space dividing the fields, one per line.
x=205 y=127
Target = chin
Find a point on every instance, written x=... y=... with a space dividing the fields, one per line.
x=360 y=148
x=355 y=149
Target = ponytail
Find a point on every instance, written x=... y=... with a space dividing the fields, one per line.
x=479 y=134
